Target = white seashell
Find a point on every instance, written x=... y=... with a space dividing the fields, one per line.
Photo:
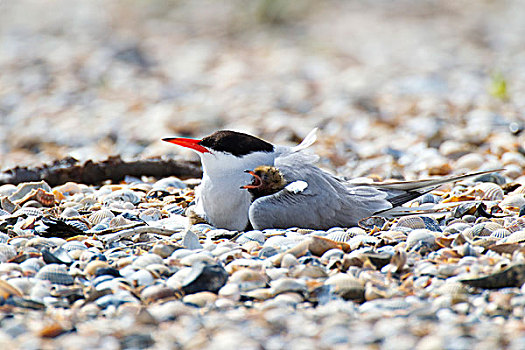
x=218 y=251
x=191 y=241
x=92 y=267
x=141 y=187
x=29 y=211
x=88 y=201
x=147 y=259
x=513 y=171
x=452 y=147
x=411 y=221
x=355 y=231
x=32 y=265
x=142 y=277
x=451 y=288
x=6 y=252
x=55 y=273
x=332 y=254
x=471 y=161
x=70 y=212
x=260 y=293
x=276 y=241
x=514 y=225
x=194 y=258
x=255 y=235
x=339 y=236
x=515 y=237
x=181 y=253
x=178 y=277
x=457 y=227
x=519 y=190
x=230 y=291
x=513 y=158
x=26 y=187
x=500 y=233
x=100 y=215
x=158 y=269
x=157 y=292
x=248 y=279
x=200 y=299
x=7 y=190
x=489 y=191
x=288 y=260
x=4 y=238
x=39 y=243
x=68 y=189
x=119 y=221
x=420 y=235
x=123 y=195
x=309 y=271
x=10 y=268
x=23 y=284
x=356 y=241
x=513 y=201
x=348 y=287
x=169 y=183
x=151 y=214
x=74 y=245
x=163 y=250
x=286 y=284
x=483 y=229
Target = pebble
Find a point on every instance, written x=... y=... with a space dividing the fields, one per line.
x=204 y=277
x=191 y=241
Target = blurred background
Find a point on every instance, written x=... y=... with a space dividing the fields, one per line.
x=395 y=86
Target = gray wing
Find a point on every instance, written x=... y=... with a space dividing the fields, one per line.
x=326 y=201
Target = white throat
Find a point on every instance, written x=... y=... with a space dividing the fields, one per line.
x=220 y=164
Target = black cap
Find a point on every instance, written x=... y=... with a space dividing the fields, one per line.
x=236 y=143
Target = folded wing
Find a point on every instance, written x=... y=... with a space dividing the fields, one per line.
x=324 y=202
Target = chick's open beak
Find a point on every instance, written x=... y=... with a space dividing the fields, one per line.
x=256 y=182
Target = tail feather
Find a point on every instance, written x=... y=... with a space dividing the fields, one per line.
x=404 y=211
x=424 y=184
x=401 y=192
x=406 y=197
x=439 y=208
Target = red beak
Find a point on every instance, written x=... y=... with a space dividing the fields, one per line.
x=188 y=143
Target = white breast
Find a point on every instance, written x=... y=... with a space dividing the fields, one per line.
x=219 y=196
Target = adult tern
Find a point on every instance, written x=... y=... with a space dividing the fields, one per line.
x=224 y=156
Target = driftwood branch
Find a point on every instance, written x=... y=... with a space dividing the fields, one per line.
x=114 y=169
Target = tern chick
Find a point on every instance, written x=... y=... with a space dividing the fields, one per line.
x=267 y=180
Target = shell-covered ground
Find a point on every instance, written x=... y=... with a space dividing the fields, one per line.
x=403 y=89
